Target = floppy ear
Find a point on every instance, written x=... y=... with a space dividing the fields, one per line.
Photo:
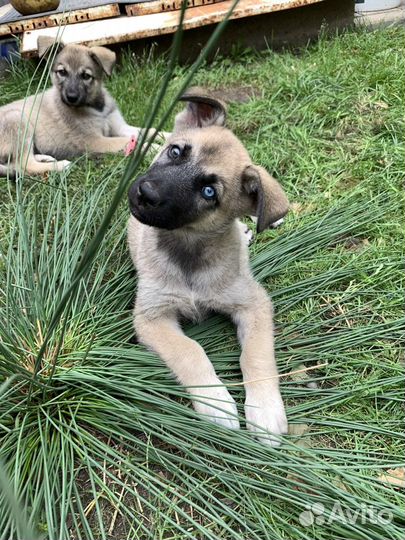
x=202 y=110
x=270 y=203
x=104 y=58
x=46 y=43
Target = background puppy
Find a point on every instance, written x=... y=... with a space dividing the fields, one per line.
x=74 y=116
x=191 y=255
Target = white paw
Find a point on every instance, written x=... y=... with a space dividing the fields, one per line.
x=265 y=416
x=277 y=223
x=247 y=234
x=249 y=237
x=44 y=158
x=217 y=405
x=63 y=165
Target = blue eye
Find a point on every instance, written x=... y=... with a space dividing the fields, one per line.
x=208 y=192
x=174 y=152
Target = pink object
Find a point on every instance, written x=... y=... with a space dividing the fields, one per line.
x=130 y=147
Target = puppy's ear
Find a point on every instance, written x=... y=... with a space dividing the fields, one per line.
x=46 y=43
x=104 y=58
x=269 y=201
x=202 y=110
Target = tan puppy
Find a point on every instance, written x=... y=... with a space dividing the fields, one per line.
x=76 y=115
x=191 y=256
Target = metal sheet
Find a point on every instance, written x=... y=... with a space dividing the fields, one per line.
x=55 y=19
x=11 y=15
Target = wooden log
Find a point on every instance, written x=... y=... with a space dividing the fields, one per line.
x=122 y=29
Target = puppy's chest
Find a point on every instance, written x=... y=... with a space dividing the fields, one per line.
x=198 y=289
x=96 y=122
x=210 y=292
x=190 y=280
x=196 y=299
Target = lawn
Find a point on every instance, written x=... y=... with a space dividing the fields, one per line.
x=98 y=441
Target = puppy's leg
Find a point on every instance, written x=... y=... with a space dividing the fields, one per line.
x=161 y=136
x=264 y=406
x=189 y=363
x=106 y=145
x=56 y=165
x=32 y=166
x=18 y=145
x=119 y=128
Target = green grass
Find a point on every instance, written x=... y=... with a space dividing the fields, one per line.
x=103 y=443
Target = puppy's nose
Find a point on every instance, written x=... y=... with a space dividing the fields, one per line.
x=147 y=193
x=72 y=96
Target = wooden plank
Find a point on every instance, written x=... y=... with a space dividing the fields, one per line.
x=158 y=6
x=129 y=28
x=57 y=19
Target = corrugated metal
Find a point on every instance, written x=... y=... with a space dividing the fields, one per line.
x=12 y=15
x=69 y=12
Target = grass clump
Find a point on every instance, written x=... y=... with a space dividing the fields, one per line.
x=98 y=441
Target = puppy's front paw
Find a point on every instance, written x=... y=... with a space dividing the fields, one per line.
x=217 y=405
x=44 y=158
x=265 y=416
x=61 y=165
x=248 y=235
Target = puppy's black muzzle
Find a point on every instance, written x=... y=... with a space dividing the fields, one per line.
x=143 y=195
x=148 y=194
x=161 y=200
x=72 y=97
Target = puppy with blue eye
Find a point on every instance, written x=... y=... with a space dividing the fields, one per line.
x=188 y=247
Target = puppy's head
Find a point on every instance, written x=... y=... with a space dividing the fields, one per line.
x=77 y=71
x=204 y=178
